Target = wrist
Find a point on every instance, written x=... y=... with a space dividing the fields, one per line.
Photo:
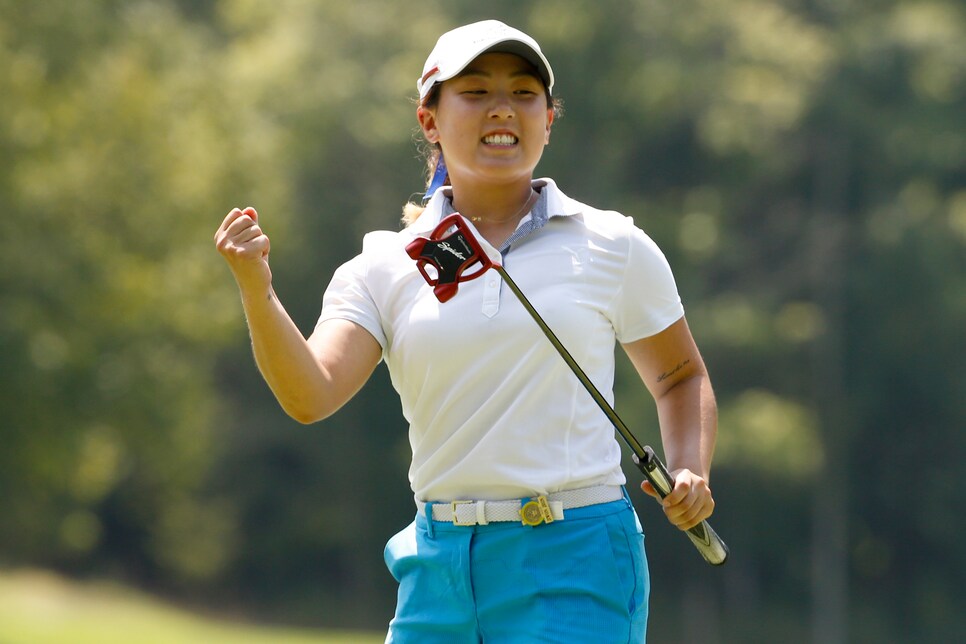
x=255 y=295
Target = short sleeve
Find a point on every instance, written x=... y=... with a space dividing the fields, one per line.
x=348 y=298
x=648 y=301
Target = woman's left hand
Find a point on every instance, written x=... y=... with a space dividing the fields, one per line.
x=689 y=503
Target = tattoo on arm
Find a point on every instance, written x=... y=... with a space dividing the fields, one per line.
x=667 y=374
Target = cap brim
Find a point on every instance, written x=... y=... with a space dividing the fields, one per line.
x=508 y=46
x=525 y=52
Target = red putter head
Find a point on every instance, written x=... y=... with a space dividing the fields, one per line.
x=450 y=249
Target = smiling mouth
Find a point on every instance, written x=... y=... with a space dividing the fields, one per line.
x=500 y=139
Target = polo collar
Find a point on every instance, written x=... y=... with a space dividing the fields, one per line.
x=558 y=205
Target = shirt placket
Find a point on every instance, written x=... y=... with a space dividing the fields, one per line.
x=491 y=293
x=493 y=286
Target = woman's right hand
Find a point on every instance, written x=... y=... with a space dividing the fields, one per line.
x=245 y=247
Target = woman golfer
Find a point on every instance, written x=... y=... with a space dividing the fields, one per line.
x=523 y=530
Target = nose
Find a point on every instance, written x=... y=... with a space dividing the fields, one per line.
x=502 y=106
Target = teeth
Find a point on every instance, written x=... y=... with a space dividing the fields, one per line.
x=500 y=139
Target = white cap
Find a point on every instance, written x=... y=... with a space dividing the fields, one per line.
x=458 y=48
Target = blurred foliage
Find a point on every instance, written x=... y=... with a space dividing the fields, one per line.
x=116 y=147
x=801 y=163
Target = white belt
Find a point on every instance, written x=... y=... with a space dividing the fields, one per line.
x=541 y=509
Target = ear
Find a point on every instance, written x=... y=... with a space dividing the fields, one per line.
x=546 y=138
x=427 y=122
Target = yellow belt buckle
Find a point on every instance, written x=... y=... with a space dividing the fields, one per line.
x=456 y=520
x=536 y=511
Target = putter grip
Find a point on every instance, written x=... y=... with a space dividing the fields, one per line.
x=706 y=540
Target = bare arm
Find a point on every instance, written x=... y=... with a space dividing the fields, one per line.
x=671 y=367
x=310 y=378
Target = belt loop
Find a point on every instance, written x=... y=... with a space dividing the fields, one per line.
x=481 y=513
x=430 y=526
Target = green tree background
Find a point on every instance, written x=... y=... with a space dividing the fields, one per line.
x=801 y=162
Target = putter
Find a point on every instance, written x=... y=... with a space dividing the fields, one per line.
x=452 y=250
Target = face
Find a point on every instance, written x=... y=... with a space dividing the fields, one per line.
x=492 y=121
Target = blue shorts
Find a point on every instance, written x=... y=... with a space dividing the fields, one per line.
x=582 y=579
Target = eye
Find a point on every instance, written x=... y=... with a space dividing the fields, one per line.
x=528 y=87
x=467 y=89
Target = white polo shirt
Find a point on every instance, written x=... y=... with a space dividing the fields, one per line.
x=494 y=412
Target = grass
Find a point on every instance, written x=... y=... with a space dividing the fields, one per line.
x=41 y=608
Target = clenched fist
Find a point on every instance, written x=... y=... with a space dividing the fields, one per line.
x=244 y=245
